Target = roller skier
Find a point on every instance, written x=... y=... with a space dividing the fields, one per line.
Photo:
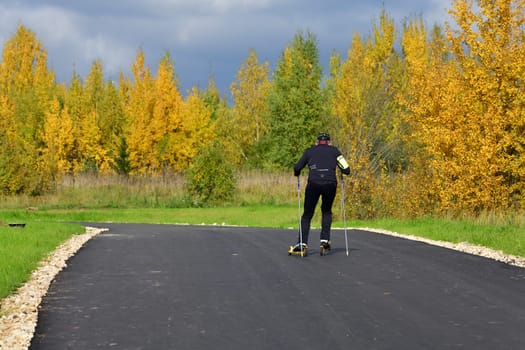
x=322 y=161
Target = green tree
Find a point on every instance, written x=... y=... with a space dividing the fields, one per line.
x=333 y=123
x=294 y=102
x=212 y=99
x=122 y=163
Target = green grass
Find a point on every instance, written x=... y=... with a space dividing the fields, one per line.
x=258 y=216
x=21 y=249
x=509 y=238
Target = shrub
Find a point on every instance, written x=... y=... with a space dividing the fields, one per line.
x=210 y=180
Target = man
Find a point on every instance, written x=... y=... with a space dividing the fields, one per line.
x=322 y=160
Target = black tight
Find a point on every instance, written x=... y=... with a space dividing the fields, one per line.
x=327 y=193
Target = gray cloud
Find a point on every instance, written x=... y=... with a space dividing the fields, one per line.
x=204 y=37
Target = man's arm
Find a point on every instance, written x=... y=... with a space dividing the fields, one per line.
x=300 y=165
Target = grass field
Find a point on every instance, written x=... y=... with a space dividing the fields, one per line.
x=21 y=249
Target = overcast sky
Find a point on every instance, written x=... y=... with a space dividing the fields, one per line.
x=204 y=37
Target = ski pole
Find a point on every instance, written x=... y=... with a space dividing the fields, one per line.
x=344 y=213
x=299 y=212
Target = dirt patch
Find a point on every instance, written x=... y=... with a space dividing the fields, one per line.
x=19 y=312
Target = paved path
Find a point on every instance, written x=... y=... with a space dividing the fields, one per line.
x=196 y=287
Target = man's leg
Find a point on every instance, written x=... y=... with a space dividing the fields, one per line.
x=328 y=196
x=311 y=197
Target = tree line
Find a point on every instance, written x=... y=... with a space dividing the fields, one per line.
x=431 y=119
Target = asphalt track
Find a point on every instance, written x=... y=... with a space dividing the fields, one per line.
x=198 y=287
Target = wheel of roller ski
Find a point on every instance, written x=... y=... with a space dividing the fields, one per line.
x=302 y=253
x=324 y=251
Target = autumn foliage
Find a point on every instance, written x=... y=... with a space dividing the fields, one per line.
x=431 y=119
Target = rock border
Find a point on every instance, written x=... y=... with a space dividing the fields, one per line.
x=464 y=247
x=19 y=311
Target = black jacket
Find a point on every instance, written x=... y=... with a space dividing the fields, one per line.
x=322 y=161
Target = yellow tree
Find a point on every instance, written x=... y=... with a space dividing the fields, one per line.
x=139 y=110
x=489 y=46
x=364 y=100
x=76 y=109
x=112 y=121
x=27 y=86
x=429 y=98
x=11 y=162
x=250 y=106
x=59 y=139
x=154 y=112
x=96 y=146
x=196 y=131
x=27 y=81
x=94 y=157
x=463 y=103
x=166 y=118
x=74 y=100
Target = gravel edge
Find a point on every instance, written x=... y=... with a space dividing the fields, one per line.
x=19 y=311
x=464 y=247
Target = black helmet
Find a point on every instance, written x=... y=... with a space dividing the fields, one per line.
x=323 y=137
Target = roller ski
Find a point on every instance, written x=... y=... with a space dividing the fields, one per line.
x=325 y=247
x=300 y=249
